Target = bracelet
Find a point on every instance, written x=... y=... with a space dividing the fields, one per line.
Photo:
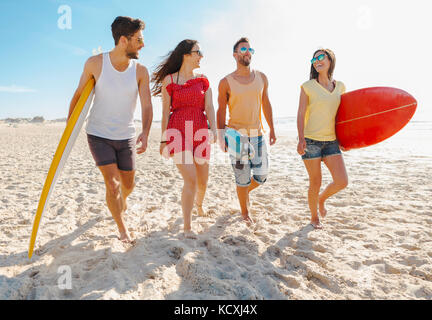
x=164 y=141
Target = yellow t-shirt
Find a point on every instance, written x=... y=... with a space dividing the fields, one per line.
x=321 y=110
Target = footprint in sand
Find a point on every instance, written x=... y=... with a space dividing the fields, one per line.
x=61 y=210
x=175 y=252
x=371 y=262
x=340 y=204
x=289 y=281
x=413 y=261
x=319 y=248
x=95 y=210
x=274 y=251
x=321 y=277
x=166 y=174
x=272 y=231
x=355 y=265
x=401 y=233
x=410 y=247
x=370 y=246
x=213 y=249
x=392 y=269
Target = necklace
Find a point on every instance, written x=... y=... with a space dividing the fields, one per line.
x=330 y=87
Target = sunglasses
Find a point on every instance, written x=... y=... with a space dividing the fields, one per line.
x=243 y=50
x=200 y=53
x=319 y=58
x=139 y=40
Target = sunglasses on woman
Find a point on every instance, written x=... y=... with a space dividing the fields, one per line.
x=200 y=53
x=319 y=58
x=243 y=50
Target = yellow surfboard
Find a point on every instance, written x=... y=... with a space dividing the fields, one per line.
x=64 y=148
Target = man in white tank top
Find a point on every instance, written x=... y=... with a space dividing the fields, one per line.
x=110 y=127
x=245 y=93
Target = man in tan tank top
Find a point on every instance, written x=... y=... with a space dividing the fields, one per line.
x=245 y=93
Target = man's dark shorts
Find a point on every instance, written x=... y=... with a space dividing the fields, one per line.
x=106 y=151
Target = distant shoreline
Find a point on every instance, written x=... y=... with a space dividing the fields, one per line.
x=40 y=119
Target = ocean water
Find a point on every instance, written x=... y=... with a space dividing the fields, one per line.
x=414 y=138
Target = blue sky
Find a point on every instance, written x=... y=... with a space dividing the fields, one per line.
x=44 y=62
x=377 y=43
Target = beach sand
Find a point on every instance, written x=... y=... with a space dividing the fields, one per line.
x=376 y=242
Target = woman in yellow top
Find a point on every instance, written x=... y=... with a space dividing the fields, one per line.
x=319 y=102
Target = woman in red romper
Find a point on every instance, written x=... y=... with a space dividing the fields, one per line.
x=186 y=107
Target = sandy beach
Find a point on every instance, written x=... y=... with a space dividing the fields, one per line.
x=376 y=242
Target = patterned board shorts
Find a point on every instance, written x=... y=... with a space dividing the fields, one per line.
x=256 y=166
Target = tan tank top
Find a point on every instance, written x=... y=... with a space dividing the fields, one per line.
x=244 y=104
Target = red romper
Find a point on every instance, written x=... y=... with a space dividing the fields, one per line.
x=187 y=116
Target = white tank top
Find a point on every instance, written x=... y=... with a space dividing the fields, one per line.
x=114 y=105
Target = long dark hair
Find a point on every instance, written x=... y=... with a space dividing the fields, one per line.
x=330 y=54
x=170 y=64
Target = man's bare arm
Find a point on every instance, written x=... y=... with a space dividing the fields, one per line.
x=223 y=97
x=145 y=98
x=146 y=106
x=268 y=111
x=88 y=73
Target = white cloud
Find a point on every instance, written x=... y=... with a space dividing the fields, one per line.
x=16 y=89
x=72 y=49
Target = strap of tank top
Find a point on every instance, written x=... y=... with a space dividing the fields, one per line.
x=172 y=81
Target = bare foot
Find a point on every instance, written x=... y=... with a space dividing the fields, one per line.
x=189 y=234
x=200 y=210
x=321 y=209
x=247 y=219
x=125 y=238
x=316 y=224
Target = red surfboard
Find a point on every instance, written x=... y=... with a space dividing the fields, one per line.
x=370 y=115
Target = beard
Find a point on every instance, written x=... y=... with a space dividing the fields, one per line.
x=131 y=54
x=243 y=62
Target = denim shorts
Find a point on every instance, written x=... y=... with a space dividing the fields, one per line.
x=320 y=149
x=257 y=166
